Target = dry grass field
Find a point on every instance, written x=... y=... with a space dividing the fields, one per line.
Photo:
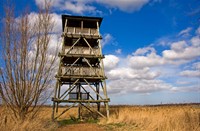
x=151 y=118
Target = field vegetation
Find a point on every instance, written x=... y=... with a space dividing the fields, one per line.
x=153 y=118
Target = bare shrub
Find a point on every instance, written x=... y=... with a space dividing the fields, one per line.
x=28 y=63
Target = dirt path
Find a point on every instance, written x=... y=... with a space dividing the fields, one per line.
x=81 y=127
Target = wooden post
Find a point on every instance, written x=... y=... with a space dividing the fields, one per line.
x=79 y=98
x=97 y=88
x=80 y=68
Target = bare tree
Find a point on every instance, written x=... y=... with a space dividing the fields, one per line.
x=28 y=63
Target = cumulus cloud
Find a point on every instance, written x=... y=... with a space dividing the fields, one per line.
x=124 y=5
x=178 y=52
x=78 y=7
x=143 y=51
x=110 y=61
x=56 y=20
x=73 y=6
x=149 y=60
x=123 y=86
x=195 y=41
x=146 y=71
x=82 y=6
x=130 y=73
x=57 y=23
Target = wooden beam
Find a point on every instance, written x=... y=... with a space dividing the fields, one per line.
x=81 y=55
x=90 y=46
x=91 y=67
x=73 y=45
x=93 y=89
x=82 y=101
x=69 y=88
x=86 y=92
x=71 y=65
x=68 y=93
x=65 y=30
x=66 y=110
x=94 y=111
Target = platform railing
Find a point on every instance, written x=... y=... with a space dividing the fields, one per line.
x=81 y=50
x=85 y=31
x=81 y=71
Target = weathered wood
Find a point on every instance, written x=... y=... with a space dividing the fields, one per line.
x=65 y=110
x=73 y=45
x=69 y=88
x=81 y=66
x=80 y=55
x=82 y=101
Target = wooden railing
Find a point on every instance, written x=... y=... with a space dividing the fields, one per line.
x=78 y=30
x=81 y=71
x=81 y=50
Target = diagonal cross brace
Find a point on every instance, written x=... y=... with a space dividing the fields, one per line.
x=66 y=110
x=90 y=46
x=71 y=65
x=73 y=45
x=93 y=88
x=91 y=67
x=69 y=88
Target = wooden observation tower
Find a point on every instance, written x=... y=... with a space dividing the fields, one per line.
x=80 y=78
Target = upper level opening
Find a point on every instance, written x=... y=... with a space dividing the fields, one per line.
x=81 y=21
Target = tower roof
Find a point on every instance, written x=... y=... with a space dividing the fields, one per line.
x=86 y=18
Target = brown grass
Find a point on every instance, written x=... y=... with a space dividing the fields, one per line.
x=158 y=118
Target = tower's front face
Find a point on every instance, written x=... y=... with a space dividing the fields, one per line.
x=81 y=65
x=82 y=49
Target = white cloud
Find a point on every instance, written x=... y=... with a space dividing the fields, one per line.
x=130 y=73
x=110 y=61
x=196 y=66
x=179 y=46
x=143 y=51
x=124 y=5
x=82 y=6
x=185 y=32
x=123 y=86
x=56 y=20
x=118 y=51
x=73 y=6
x=57 y=23
x=198 y=31
x=195 y=41
x=150 y=60
x=145 y=71
x=107 y=38
x=182 y=51
x=78 y=7
x=190 y=73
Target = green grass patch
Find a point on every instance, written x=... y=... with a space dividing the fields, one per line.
x=74 y=120
x=66 y=122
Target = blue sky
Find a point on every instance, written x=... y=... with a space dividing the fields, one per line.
x=151 y=47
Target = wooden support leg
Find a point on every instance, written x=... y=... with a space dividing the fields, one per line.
x=97 y=89
x=107 y=109
x=54 y=103
x=79 y=98
x=58 y=96
x=53 y=111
